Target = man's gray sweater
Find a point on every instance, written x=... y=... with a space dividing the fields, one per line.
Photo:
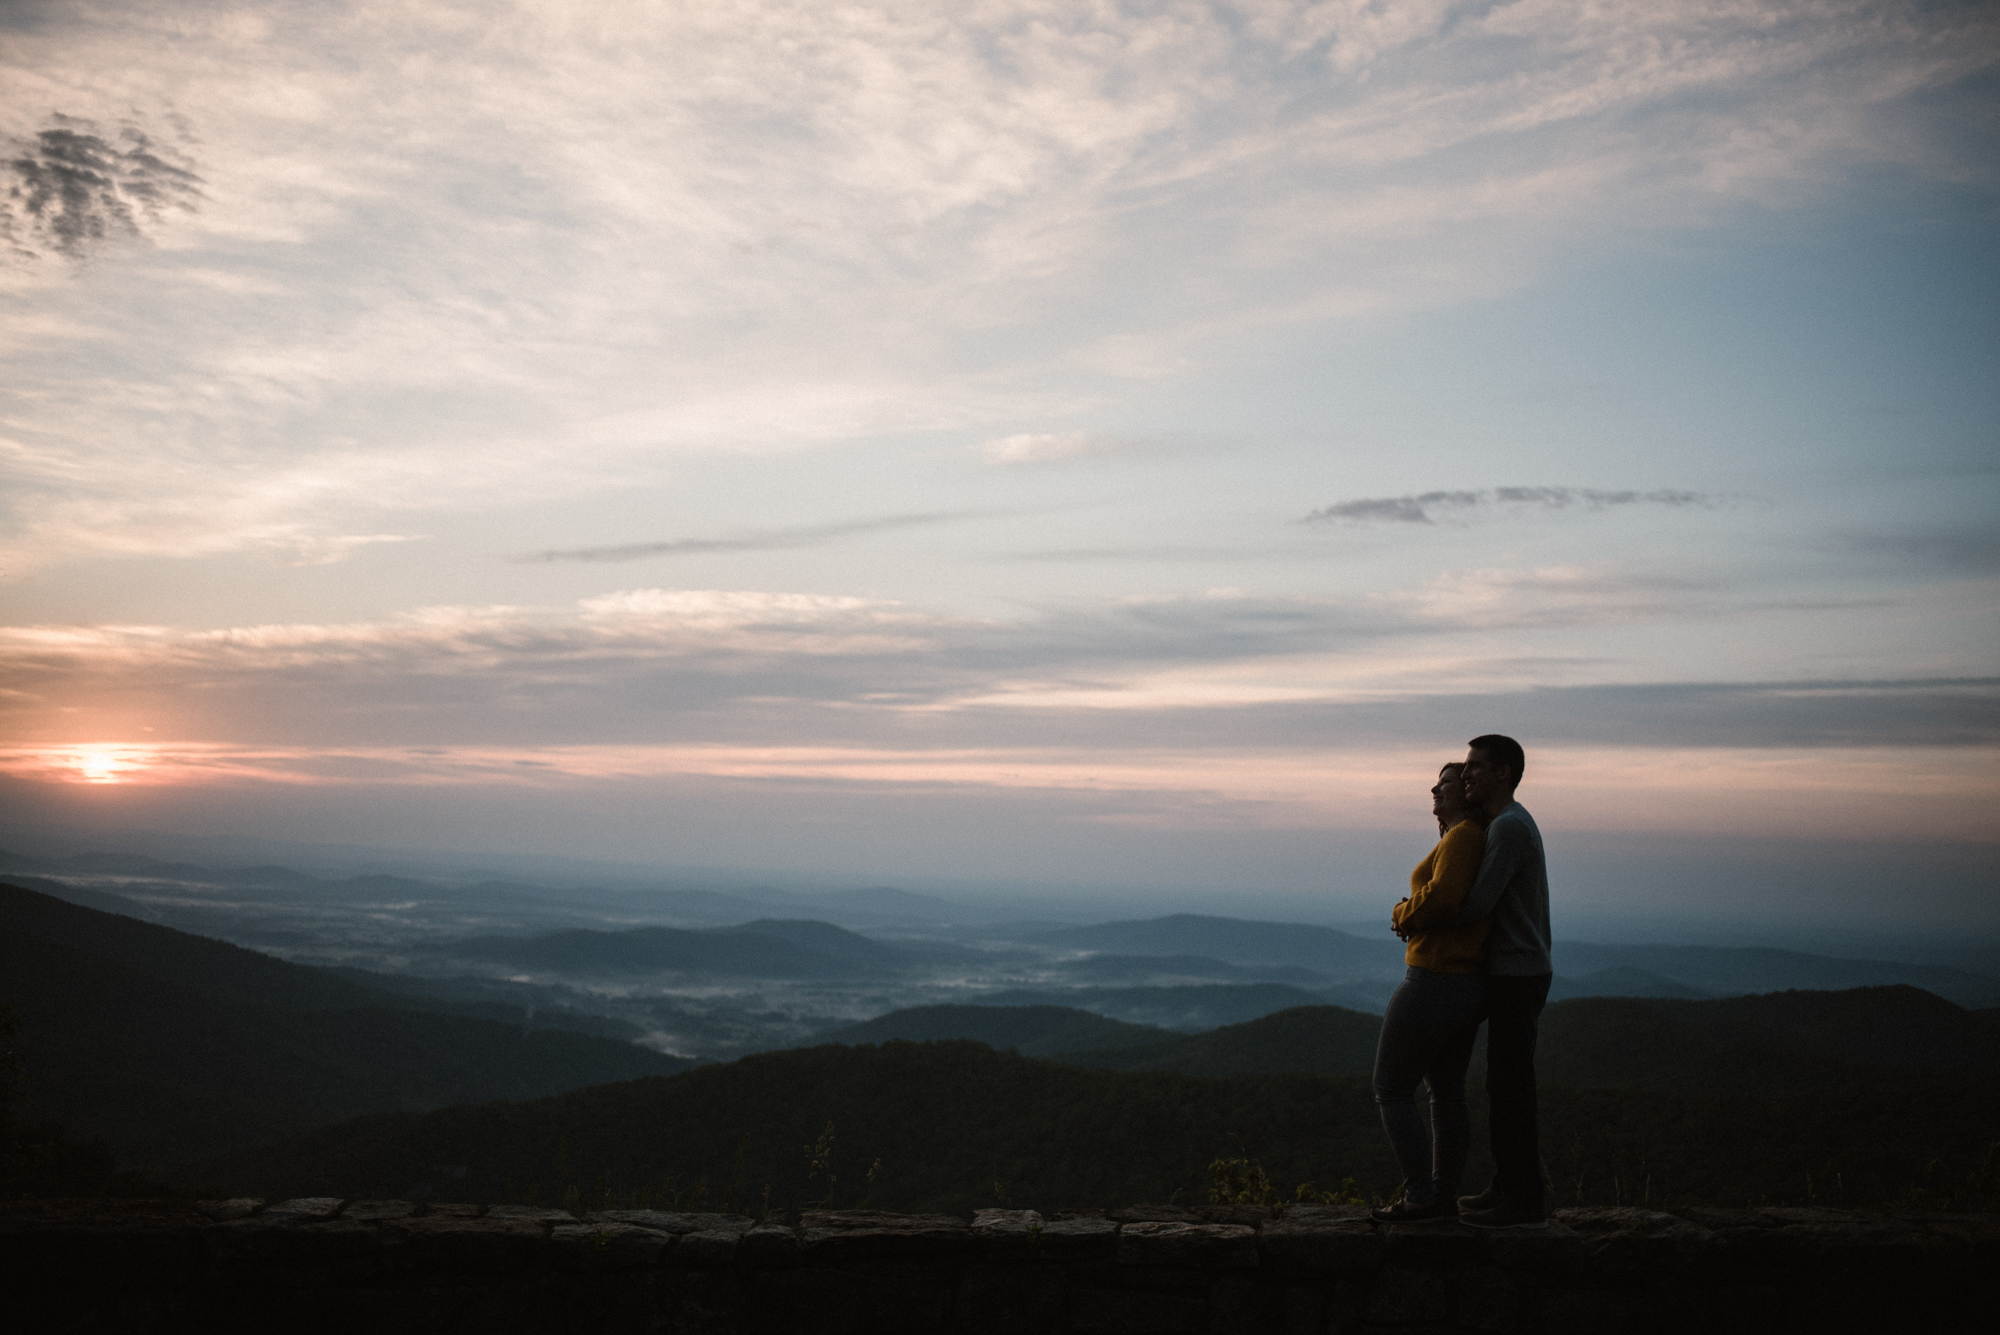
x=1513 y=886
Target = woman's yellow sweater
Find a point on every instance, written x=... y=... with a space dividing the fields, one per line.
x=1437 y=887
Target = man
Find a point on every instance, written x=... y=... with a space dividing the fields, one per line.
x=1513 y=886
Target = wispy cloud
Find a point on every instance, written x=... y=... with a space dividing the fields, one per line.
x=771 y=540
x=1051 y=447
x=899 y=219
x=1424 y=508
x=73 y=189
x=760 y=667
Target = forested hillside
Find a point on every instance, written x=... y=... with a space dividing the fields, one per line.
x=1036 y=1031
x=174 y=1047
x=955 y=1126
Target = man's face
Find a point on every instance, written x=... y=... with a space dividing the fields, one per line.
x=1485 y=782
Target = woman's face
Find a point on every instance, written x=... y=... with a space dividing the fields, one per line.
x=1448 y=794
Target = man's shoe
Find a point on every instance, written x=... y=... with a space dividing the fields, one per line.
x=1405 y=1212
x=1489 y=1199
x=1504 y=1215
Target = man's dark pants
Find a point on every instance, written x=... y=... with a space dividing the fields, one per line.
x=1513 y=1008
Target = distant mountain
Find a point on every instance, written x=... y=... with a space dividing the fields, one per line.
x=1033 y=1031
x=824 y=937
x=883 y=905
x=1736 y=971
x=769 y=948
x=90 y=897
x=1304 y=1040
x=1186 y=1008
x=706 y=907
x=1770 y=1044
x=174 y=1047
x=1236 y=940
x=211 y=968
x=1151 y=968
x=1775 y=1043
x=1621 y=981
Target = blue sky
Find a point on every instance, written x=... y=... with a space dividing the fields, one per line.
x=928 y=437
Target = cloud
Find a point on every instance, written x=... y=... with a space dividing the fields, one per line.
x=572 y=249
x=1421 y=509
x=1049 y=448
x=809 y=535
x=762 y=668
x=73 y=191
x=1973 y=551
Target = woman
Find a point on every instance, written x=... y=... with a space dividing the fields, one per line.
x=1428 y=1031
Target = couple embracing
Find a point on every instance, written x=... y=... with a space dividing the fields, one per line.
x=1477 y=924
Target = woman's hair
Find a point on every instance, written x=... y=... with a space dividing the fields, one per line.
x=1449 y=764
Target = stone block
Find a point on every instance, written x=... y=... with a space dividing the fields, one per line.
x=1402 y=1296
x=1007 y=1234
x=707 y=1250
x=835 y=1237
x=1626 y=1241
x=1208 y=1246
x=774 y=1243
x=1005 y=1299
x=452 y=1210
x=1081 y=1239
x=1024 y=1235
x=1110 y=1311
x=1319 y=1244
x=540 y=1214
x=450 y=1242
x=374 y=1212
x=674 y=1221
x=304 y=1209
x=222 y=1212
x=999 y=1222
x=1300 y=1213
x=1155 y=1214
x=1432 y=1242
x=1245 y=1216
x=607 y=1246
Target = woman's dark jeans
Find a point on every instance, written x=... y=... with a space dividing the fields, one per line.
x=1427 y=1035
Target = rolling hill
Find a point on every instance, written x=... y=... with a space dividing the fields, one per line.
x=173 y=1047
x=953 y=1126
x=211 y=968
x=1766 y=1044
x=1187 y=1007
x=1303 y=1040
x=769 y=948
x=1034 y=1031
x=1236 y=940
x=1746 y=970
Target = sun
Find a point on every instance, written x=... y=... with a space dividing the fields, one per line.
x=101 y=764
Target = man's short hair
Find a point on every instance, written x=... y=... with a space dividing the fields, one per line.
x=1503 y=750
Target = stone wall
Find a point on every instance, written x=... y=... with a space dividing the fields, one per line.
x=391 y=1266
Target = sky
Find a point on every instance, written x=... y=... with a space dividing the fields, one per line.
x=1119 y=445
